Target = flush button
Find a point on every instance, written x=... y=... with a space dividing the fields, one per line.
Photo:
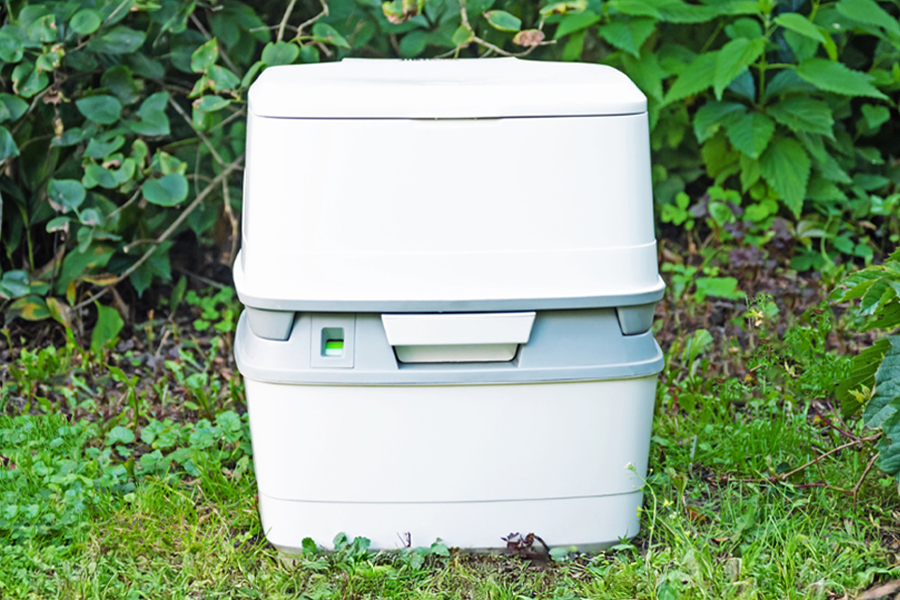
x=332 y=341
x=331 y=345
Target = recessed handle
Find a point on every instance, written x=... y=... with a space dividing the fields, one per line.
x=458 y=337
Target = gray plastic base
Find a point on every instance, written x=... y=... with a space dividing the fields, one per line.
x=636 y=319
x=270 y=324
x=565 y=345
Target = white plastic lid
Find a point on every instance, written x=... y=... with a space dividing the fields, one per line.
x=443 y=89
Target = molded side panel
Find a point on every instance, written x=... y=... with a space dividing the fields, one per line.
x=461 y=443
x=546 y=208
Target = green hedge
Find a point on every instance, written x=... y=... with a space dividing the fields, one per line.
x=122 y=121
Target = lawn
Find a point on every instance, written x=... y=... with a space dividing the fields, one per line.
x=127 y=473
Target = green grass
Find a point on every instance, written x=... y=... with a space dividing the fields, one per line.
x=145 y=488
x=706 y=534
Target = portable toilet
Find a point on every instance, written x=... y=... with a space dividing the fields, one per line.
x=449 y=270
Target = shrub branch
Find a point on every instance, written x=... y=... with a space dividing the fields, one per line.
x=236 y=165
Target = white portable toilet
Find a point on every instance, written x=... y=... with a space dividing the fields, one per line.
x=449 y=271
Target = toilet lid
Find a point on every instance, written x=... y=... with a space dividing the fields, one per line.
x=443 y=89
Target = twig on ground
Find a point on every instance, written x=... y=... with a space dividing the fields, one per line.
x=828 y=422
x=869 y=466
x=784 y=476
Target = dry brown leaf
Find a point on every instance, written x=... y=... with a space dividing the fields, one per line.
x=529 y=38
x=881 y=590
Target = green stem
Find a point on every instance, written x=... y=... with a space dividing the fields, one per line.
x=762 y=82
x=715 y=34
x=815 y=8
x=30 y=249
x=763 y=65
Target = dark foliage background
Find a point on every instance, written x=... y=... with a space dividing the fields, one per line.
x=122 y=122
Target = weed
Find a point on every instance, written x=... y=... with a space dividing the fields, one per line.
x=218 y=311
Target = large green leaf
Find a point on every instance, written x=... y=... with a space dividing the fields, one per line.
x=95 y=175
x=713 y=116
x=719 y=287
x=413 y=44
x=325 y=33
x=30 y=308
x=169 y=190
x=875 y=116
x=119 y=434
x=695 y=78
x=14 y=284
x=221 y=79
x=677 y=11
x=886 y=317
x=647 y=74
x=838 y=78
x=502 y=20
x=211 y=103
x=464 y=35
x=68 y=193
x=628 y=36
x=77 y=263
x=785 y=166
x=100 y=109
x=153 y=116
x=11 y=107
x=86 y=21
x=106 y=329
x=205 y=56
x=637 y=8
x=279 y=53
x=118 y=40
x=121 y=83
x=869 y=13
x=856 y=285
x=749 y=175
x=8 y=148
x=28 y=81
x=889 y=446
x=862 y=373
x=750 y=133
x=887 y=386
x=803 y=114
x=799 y=24
x=100 y=149
x=879 y=292
x=11 y=47
x=43 y=29
x=734 y=58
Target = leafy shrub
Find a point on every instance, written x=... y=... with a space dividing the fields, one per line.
x=873 y=384
x=122 y=124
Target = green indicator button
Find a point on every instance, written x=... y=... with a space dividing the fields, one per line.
x=334 y=347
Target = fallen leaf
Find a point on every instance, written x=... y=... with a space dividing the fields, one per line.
x=881 y=590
